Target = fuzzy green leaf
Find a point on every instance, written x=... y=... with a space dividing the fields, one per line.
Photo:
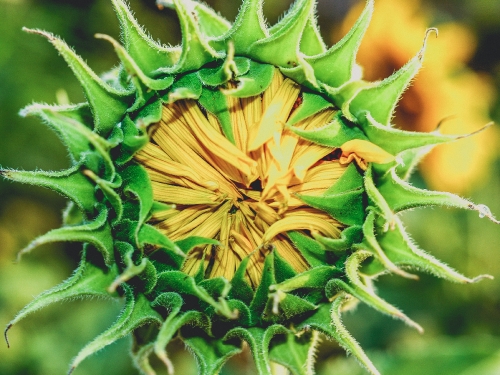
x=362 y=292
x=71 y=183
x=310 y=249
x=187 y=87
x=96 y=232
x=196 y=51
x=339 y=246
x=258 y=78
x=137 y=312
x=335 y=66
x=281 y=48
x=211 y=353
x=346 y=207
x=133 y=68
x=248 y=28
x=179 y=282
x=381 y=98
x=214 y=101
x=401 y=250
x=312 y=103
x=136 y=182
x=295 y=352
x=333 y=134
x=87 y=280
x=152 y=236
x=327 y=320
x=71 y=123
x=258 y=340
x=108 y=104
x=147 y=54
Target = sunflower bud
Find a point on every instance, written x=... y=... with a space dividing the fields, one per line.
x=242 y=187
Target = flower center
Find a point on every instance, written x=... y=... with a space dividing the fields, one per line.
x=244 y=194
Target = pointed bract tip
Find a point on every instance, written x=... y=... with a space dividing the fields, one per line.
x=5 y=334
x=488 y=125
x=71 y=370
x=480 y=277
x=427 y=33
x=43 y=33
x=484 y=211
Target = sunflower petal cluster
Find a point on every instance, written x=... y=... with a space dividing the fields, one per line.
x=291 y=217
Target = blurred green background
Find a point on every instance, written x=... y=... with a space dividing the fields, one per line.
x=461 y=321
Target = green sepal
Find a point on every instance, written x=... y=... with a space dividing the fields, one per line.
x=72 y=215
x=395 y=141
x=370 y=242
x=196 y=51
x=187 y=87
x=314 y=278
x=172 y=302
x=214 y=101
x=401 y=250
x=401 y=196
x=261 y=295
x=312 y=103
x=240 y=288
x=380 y=99
x=133 y=140
x=219 y=75
x=339 y=246
x=87 y=280
x=136 y=183
x=284 y=306
x=150 y=235
x=108 y=189
x=144 y=270
x=71 y=183
x=211 y=23
x=108 y=104
x=333 y=134
x=295 y=351
x=188 y=243
x=248 y=28
x=147 y=54
x=134 y=70
x=258 y=340
x=149 y=114
x=310 y=249
x=327 y=320
x=335 y=66
x=311 y=42
x=70 y=124
x=253 y=83
x=409 y=160
x=281 y=47
x=356 y=288
x=282 y=269
x=96 y=232
x=179 y=282
x=344 y=200
x=346 y=207
x=136 y=312
x=140 y=357
x=211 y=353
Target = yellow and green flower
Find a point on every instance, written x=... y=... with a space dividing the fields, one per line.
x=242 y=187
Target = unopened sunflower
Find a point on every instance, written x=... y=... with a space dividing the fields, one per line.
x=242 y=187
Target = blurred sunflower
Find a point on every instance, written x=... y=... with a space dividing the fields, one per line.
x=446 y=92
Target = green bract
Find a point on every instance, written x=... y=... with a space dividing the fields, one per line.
x=112 y=198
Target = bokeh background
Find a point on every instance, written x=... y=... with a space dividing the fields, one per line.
x=458 y=88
